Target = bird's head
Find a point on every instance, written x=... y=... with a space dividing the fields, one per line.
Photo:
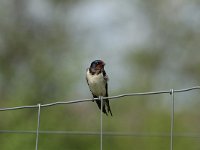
x=97 y=65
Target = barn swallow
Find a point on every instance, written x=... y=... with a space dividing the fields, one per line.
x=97 y=81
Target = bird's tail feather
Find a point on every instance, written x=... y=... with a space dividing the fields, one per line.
x=103 y=108
x=108 y=106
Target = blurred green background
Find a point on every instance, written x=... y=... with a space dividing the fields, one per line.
x=46 y=46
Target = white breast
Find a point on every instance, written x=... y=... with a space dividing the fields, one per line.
x=96 y=84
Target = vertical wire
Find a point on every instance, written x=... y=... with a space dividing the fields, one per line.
x=38 y=126
x=101 y=136
x=172 y=120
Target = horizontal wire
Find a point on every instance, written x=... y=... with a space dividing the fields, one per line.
x=111 y=98
x=187 y=89
x=94 y=133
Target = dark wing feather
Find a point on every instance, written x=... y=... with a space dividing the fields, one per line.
x=106 y=100
x=99 y=105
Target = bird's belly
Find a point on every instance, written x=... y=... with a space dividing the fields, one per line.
x=98 y=89
x=97 y=84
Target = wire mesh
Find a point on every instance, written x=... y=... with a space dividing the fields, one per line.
x=101 y=133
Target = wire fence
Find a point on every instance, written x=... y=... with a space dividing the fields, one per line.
x=101 y=133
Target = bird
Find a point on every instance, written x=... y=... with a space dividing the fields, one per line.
x=97 y=81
